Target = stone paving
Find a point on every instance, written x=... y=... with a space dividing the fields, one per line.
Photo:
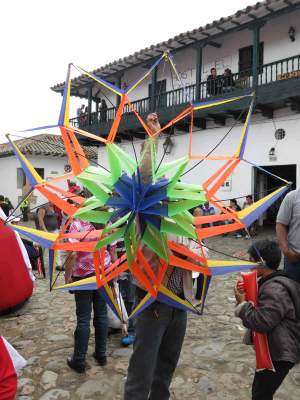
x=214 y=363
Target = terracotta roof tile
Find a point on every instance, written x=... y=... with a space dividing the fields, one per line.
x=46 y=145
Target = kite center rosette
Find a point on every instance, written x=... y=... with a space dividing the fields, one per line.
x=147 y=201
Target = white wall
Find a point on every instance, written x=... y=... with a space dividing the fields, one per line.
x=260 y=140
x=53 y=168
x=275 y=36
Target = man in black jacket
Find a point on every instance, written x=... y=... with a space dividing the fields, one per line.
x=277 y=314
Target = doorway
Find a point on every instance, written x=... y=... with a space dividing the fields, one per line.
x=265 y=184
x=160 y=93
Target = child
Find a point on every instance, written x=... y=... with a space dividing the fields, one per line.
x=277 y=314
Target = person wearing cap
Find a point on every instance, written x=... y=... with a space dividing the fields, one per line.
x=277 y=314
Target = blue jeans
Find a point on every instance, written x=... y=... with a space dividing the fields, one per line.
x=292 y=269
x=85 y=299
x=160 y=331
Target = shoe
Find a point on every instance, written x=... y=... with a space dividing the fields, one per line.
x=102 y=360
x=127 y=340
x=238 y=236
x=78 y=367
x=60 y=268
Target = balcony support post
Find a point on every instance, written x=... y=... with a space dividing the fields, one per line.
x=119 y=84
x=153 y=90
x=90 y=94
x=255 y=58
x=199 y=54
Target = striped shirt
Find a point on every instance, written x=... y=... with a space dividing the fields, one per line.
x=84 y=263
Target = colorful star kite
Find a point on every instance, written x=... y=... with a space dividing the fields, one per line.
x=143 y=202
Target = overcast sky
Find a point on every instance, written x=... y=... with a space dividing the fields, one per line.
x=40 y=37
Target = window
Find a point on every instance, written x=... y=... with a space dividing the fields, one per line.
x=21 y=178
x=246 y=59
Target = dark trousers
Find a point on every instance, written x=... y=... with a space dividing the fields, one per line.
x=85 y=300
x=200 y=281
x=160 y=331
x=292 y=269
x=266 y=382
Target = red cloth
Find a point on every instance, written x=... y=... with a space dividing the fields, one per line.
x=260 y=340
x=8 y=376
x=15 y=283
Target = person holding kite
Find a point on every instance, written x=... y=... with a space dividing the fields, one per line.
x=277 y=315
x=160 y=329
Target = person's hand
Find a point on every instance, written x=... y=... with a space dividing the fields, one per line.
x=291 y=255
x=68 y=279
x=153 y=122
x=239 y=295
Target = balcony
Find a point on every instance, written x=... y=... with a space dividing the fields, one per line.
x=278 y=85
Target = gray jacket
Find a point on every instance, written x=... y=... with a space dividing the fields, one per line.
x=277 y=314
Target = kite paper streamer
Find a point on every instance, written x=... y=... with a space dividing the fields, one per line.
x=142 y=201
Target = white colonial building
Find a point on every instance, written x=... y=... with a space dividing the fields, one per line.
x=261 y=47
x=46 y=153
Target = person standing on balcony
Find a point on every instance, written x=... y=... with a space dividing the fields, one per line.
x=103 y=111
x=227 y=81
x=80 y=113
x=80 y=110
x=288 y=233
x=213 y=83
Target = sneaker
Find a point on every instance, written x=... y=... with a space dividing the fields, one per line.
x=238 y=235
x=78 y=367
x=102 y=360
x=127 y=340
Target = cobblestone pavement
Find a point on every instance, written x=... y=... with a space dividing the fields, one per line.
x=214 y=364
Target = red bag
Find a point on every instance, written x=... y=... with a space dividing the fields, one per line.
x=260 y=340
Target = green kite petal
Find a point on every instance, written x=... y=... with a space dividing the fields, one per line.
x=175 y=194
x=101 y=217
x=114 y=164
x=118 y=223
x=156 y=241
x=127 y=163
x=167 y=167
x=111 y=238
x=176 y=207
x=176 y=176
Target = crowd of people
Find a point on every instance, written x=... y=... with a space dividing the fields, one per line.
x=159 y=330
